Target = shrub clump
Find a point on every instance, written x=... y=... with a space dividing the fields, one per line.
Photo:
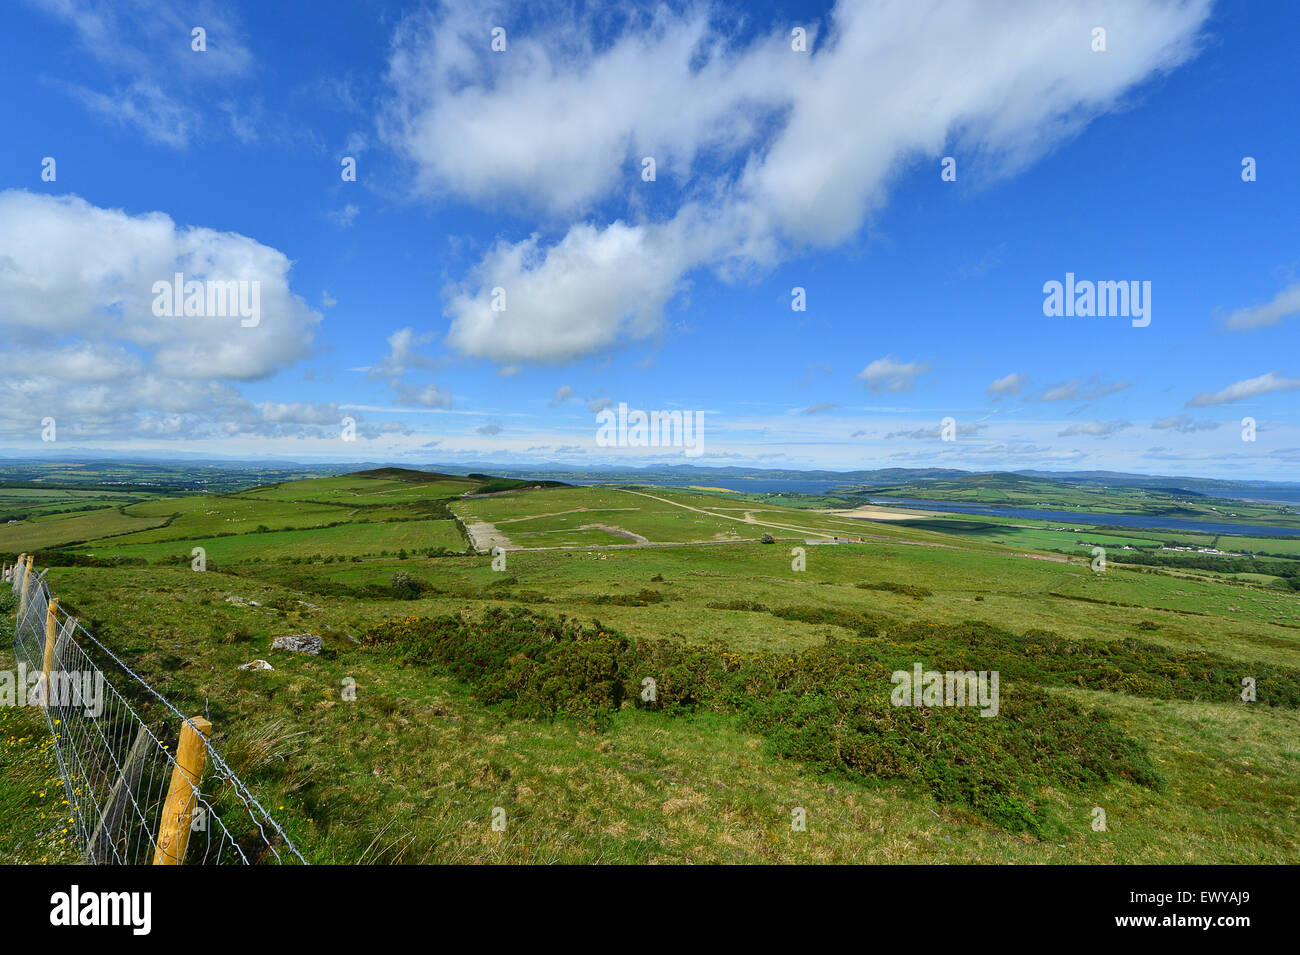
x=828 y=707
x=907 y=590
x=405 y=587
x=642 y=598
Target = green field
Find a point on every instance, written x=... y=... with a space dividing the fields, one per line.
x=483 y=687
x=1015 y=490
x=58 y=530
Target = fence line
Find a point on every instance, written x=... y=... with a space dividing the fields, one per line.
x=141 y=786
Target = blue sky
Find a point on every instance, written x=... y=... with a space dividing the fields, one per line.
x=775 y=168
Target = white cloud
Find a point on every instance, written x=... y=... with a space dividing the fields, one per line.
x=574 y=298
x=1097 y=429
x=153 y=77
x=561 y=122
x=403 y=354
x=1283 y=305
x=343 y=218
x=143 y=105
x=1082 y=389
x=301 y=412
x=1011 y=384
x=68 y=268
x=963 y=429
x=1184 y=424
x=1247 y=388
x=886 y=374
x=557 y=124
x=819 y=408
x=425 y=396
x=80 y=342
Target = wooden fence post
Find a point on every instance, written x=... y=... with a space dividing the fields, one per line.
x=22 y=591
x=178 y=810
x=105 y=835
x=51 y=634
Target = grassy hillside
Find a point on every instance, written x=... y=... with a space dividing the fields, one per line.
x=519 y=688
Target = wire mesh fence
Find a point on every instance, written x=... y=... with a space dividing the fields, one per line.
x=144 y=783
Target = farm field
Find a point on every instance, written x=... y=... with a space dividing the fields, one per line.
x=484 y=682
x=57 y=530
x=1016 y=490
x=344 y=541
x=18 y=502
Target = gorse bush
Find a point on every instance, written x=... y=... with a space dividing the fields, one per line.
x=750 y=605
x=404 y=586
x=868 y=624
x=642 y=598
x=829 y=707
x=1129 y=666
x=534 y=666
x=907 y=590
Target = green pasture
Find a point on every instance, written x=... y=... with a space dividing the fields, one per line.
x=412 y=770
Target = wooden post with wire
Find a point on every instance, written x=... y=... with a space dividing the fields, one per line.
x=102 y=845
x=22 y=591
x=178 y=810
x=51 y=635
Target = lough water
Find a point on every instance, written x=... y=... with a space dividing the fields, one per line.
x=1137 y=521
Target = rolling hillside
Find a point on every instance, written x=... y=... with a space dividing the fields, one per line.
x=514 y=679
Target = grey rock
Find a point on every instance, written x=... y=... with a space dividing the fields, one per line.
x=298 y=643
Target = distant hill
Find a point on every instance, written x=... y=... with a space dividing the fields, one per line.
x=405 y=474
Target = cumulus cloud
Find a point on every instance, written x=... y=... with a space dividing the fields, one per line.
x=819 y=408
x=301 y=412
x=886 y=374
x=405 y=357
x=404 y=354
x=1247 y=388
x=426 y=395
x=554 y=124
x=142 y=403
x=573 y=298
x=81 y=342
x=758 y=137
x=68 y=268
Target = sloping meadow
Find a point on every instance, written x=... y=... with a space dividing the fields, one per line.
x=830 y=709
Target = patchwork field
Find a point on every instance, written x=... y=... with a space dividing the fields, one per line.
x=57 y=530
x=485 y=682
